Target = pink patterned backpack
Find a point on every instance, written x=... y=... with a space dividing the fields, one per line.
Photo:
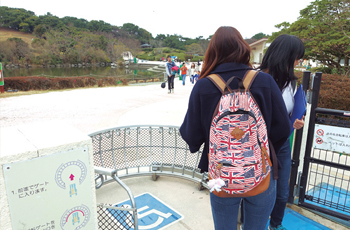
x=239 y=159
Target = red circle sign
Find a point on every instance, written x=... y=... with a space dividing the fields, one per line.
x=320 y=132
x=319 y=140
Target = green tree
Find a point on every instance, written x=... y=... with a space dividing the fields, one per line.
x=324 y=27
x=174 y=41
x=194 y=48
x=19 y=19
x=160 y=37
x=99 y=26
x=78 y=23
x=144 y=36
x=139 y=33
x=259 y=36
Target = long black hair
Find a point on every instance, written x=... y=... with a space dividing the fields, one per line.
x=279 y=59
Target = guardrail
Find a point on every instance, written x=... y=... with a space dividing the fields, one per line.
x=147 y=150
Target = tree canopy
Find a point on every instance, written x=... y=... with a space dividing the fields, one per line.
x=259 y=36
x=324 y=27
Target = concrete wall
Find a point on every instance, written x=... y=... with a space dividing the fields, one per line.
x=257 y=50
x=22 y=143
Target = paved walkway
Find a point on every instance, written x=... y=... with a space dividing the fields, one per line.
x=96 y=109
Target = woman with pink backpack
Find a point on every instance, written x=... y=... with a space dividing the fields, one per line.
x=228 y=58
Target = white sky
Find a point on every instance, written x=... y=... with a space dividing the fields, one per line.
x=187 y=18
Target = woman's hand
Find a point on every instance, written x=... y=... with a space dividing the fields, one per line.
x=298 y=124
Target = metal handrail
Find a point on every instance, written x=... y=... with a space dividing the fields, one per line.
x=111 y=173
x=141 y=150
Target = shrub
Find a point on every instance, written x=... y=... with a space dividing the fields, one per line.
x=44 y=83
x=147 y=49
x=143 y=56
x=27 y=83
x=111 y=81
x=325 y=70
x=334 y=93
x=196 y=58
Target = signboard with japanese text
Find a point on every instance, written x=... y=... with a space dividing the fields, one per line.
x=51 y=192
x=332 y=138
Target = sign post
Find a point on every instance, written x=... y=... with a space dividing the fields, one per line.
x=1 y=80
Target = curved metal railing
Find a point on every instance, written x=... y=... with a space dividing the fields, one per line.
x=142 y=150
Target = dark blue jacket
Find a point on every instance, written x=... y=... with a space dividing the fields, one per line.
x=205 y=97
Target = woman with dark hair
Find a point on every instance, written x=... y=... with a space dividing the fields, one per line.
x=193 y=72
x=170 y=73
x=229 y=55
x=279 y=61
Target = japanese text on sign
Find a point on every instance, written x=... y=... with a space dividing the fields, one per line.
x=30 y=190
x=46 y=226
x=332 y=138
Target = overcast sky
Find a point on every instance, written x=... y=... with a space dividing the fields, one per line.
x=187 y=18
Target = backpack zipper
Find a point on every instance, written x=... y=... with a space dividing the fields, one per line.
x=264 y=156
x=239 y=111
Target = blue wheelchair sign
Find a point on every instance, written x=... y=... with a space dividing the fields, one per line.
x=153 y=214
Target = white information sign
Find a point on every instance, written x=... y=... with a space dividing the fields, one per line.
x=332 y=138
x=51 y=192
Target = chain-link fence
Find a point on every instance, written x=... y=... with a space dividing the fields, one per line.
x=135 y=151
x=113 y=218
x=142 y=150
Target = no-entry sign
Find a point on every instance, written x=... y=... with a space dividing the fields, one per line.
x=332 y=138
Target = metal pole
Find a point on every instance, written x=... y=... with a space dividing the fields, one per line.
x=297 y=147
x=315 y=93
x=132 y=200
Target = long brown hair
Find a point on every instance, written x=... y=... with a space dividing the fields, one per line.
x=226 y=45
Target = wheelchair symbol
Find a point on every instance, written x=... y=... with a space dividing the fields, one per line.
x=161 y=217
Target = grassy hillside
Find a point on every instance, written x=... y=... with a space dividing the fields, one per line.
x=6 y=33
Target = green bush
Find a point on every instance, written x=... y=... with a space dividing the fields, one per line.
x=143 y=56
x=196 y=58
x=342 y=71
x=44 y=83
x=147 y=49
x=334 y=93
x=160 y=56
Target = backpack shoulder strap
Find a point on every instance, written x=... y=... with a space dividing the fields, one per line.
x=217 y=81
x=249 y=78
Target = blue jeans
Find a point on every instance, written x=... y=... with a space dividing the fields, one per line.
x=257 y=209
x=183 y=78
x=284 y=157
